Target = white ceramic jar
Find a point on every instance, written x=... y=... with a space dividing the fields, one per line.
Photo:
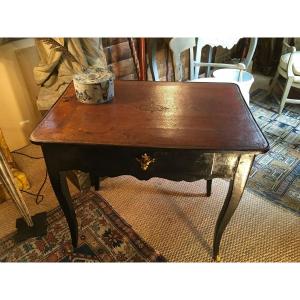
x=94 y=85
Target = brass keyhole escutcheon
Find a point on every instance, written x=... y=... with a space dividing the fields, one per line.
x=145 y=161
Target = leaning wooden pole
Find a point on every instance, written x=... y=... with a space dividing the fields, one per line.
x=135 y=57
x=142 y=57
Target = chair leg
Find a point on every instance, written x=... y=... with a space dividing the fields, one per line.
x=208 y=187
x=285 y=94
x=273 y=82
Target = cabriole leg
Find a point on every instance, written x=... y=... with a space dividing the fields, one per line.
x=235 y=192
x=60 y=186
x=208 y=187
x=95 y=181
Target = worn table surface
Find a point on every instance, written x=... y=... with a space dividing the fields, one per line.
x=203 y=116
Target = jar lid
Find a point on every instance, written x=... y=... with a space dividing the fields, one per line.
x=93 y=75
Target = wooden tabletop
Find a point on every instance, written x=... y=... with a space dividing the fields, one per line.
x=182 y=115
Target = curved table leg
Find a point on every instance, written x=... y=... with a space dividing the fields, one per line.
x=208 y=187
x=59 y=184
x=95 y=181
x=235 y=192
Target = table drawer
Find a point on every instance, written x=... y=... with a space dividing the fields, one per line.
x=176 y=165
x=144 y=163
x=188 y=165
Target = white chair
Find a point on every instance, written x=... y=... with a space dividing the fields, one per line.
x=179 y=45
x=227 y=43
x=289 y=69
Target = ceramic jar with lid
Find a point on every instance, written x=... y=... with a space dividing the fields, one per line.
x=94 y=85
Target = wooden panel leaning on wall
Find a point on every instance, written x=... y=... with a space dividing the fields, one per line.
x=119 y=57
x=20 y=177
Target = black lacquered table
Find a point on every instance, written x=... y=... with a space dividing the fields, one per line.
x=178 y=131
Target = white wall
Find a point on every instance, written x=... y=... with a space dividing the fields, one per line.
x=18 y=92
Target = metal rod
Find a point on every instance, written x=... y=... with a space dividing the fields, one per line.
x=9 y=183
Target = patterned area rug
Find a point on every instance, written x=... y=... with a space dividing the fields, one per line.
x=276 y=174
x=103 y=237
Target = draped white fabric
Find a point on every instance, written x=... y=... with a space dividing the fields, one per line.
x=54 y=72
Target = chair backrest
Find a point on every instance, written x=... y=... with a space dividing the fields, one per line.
x=292 y=61
x=287 y=45
x=178 y=45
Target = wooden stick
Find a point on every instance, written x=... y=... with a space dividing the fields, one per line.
x=135 y=57
x=142 y=58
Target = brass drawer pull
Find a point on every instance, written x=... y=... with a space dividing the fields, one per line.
x=145 y=161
